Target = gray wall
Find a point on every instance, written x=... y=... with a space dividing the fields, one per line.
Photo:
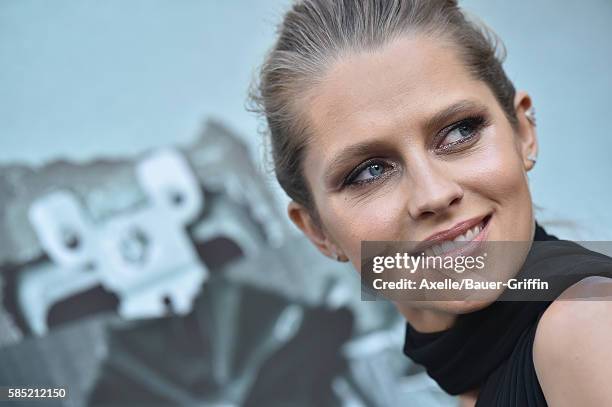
x=84 y=79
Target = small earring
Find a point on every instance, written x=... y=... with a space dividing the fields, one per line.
x=340 y=258
x=533 y=158
x=530 y=114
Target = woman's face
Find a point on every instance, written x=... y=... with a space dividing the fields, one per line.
x=406 y=144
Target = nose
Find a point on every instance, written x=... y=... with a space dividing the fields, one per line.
x=433 y=190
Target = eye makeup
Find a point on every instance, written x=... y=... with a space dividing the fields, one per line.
x=378 y=168
x=462 y=134
x=465 y=131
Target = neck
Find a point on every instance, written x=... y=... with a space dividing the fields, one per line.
x=426 y=320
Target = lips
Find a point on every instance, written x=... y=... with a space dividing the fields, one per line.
x=455 y=238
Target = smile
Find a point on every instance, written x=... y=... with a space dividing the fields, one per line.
x=457 y=240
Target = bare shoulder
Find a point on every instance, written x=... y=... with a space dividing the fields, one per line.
x=572 y=350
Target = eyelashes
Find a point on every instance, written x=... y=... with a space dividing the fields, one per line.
x=454 y=138
x=367 y=172
x=464 y=131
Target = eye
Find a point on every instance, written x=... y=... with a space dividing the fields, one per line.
x=367 y=172
x=461 y=132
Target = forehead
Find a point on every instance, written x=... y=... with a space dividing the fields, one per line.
x=386 y=91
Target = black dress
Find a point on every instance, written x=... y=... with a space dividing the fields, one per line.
x=490 y=350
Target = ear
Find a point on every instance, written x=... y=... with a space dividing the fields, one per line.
x=301 y=217
x=527 y=136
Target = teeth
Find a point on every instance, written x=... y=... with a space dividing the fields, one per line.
x=444 y=247
x=469 y=235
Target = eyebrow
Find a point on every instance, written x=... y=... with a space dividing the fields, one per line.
x=441 y=118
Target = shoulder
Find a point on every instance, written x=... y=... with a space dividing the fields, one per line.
x=573 y=345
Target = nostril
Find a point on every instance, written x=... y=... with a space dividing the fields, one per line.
x=427 y=214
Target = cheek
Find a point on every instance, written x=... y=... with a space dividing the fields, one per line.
x=374 y=217
x=497 y=176
x=495 y=170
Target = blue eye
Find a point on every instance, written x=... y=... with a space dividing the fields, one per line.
x=371 y=171
x=365 y=173
x=462 y=132
x=457 y=134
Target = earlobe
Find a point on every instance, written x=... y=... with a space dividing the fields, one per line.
x=301 y=217
x=527 y=136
